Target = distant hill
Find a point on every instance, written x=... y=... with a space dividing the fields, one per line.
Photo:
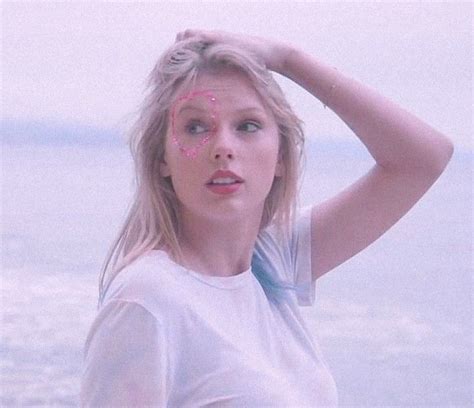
x=35 y=132
x=22 y=132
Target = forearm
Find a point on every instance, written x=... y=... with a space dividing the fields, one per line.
x=396 y=139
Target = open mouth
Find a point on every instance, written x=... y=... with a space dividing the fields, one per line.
x=224 y=181
x=224 y=185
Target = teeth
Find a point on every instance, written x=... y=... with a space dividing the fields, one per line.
x=226 y=180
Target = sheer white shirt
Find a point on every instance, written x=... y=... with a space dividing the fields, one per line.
x=166 y=336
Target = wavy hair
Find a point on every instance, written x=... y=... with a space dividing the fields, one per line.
x=153 y=220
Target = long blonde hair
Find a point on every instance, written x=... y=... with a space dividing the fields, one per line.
x=152 y=220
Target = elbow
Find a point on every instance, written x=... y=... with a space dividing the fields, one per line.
x=445 y=150
x=430 y=161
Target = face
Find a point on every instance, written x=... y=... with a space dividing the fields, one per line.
x=221 y=148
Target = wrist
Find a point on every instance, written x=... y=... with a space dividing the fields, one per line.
x=286 y=53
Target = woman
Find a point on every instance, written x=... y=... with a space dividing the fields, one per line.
x=200 y=292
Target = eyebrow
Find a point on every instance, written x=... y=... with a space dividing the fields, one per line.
x=249 y=109
x=252 y=109
x=191 y=107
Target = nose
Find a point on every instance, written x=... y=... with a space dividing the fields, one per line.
x=223 y=145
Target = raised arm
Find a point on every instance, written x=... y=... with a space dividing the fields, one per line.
x=409 y=154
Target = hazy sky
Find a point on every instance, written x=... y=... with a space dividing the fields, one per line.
x=87 y=61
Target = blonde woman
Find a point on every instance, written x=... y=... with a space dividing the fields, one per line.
x=200 y=294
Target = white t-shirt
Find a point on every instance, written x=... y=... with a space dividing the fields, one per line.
x=166 y=336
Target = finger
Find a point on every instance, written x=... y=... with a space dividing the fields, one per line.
x=181 y=36
x=184 y=35
x=190 y=33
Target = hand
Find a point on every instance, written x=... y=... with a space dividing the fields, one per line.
x=273 y=53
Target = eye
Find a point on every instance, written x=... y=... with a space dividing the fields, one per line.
x=196 y=127
x=250 y=127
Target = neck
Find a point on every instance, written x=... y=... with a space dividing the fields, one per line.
x=218 y=247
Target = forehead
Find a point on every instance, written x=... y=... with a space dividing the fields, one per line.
x=232 y=90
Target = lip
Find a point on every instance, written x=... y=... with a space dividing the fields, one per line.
x=225 y=174
x=224 y=189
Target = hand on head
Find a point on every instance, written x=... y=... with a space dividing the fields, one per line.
x=272 y=52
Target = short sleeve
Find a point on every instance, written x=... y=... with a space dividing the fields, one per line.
x=288 y=257
x=300 y=252
x=125 y=362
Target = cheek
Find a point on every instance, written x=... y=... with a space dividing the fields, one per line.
x=175 y=163
x=266 y=166
x=185 y=175
x=269 y=154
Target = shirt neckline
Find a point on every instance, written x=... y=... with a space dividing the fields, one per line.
x=222 y=282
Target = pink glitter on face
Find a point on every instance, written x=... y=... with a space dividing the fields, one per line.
x=193 y=121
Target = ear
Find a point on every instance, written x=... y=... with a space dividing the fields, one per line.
x=280 y=166
x=164 y=169
x=279 y=169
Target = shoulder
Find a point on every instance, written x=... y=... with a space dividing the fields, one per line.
x=152 y=282
x=281 y=248
x=275 y=240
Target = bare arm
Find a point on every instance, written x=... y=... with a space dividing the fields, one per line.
x=409 y=154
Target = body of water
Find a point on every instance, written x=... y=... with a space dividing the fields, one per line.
x=394 y=322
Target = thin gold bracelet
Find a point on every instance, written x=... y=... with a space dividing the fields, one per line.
x=331 y=90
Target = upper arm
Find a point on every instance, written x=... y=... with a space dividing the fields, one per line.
x=349 y=222
x=125 y=359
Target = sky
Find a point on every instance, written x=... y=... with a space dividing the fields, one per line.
x=86 y=62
